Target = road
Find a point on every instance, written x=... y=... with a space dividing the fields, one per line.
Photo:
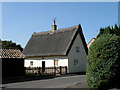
x=58 y=82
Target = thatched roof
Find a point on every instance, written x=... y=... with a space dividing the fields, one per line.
x=56 y=42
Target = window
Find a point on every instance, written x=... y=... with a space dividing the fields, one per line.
x=55 y=62
x=77 y=49
x=75 y=62
x=31 y=63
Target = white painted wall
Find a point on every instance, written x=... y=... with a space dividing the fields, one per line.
x=81 y=56
x=49 y=61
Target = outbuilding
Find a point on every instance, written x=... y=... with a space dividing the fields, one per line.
x=12 y=62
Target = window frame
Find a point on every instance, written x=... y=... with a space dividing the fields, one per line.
x=77 y=49
x=75 y=62
x=31 y=63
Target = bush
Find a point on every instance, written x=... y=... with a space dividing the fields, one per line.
x=103 y=64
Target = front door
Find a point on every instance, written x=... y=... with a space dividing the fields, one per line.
x=43 y=66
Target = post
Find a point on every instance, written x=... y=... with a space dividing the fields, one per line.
x=39 y=70
x=25 y=71
x=60 y=70
x=55 y=71
x=65 y=69
x=32 y=70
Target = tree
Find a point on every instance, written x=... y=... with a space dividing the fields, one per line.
x=110 y=30
x=103 y=64
x=10 y=44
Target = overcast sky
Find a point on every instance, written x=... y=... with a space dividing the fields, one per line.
x=20 y=20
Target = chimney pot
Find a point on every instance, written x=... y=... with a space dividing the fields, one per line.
x=54 y=22
x=54 y=27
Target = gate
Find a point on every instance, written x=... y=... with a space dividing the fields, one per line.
x=60 y=70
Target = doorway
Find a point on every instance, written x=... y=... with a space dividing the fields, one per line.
x=43 y=66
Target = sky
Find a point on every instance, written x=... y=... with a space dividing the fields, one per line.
x=21 y=19
x=119 y=13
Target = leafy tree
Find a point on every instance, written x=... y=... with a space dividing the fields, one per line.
x=10 y=44
x=110 y=30
x=103 y=64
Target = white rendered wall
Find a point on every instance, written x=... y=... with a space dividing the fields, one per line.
x=49 y=61
x=81 y=56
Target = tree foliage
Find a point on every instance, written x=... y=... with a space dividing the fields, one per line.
x=109 y=30
x=10 y=44
x=103 y=64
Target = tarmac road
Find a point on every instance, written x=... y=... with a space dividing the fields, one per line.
x=69 y=81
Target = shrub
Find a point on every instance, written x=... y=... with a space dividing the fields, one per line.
x=103 y=64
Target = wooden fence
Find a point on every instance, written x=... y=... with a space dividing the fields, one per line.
x=47 y=70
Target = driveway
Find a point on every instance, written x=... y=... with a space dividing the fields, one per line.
x=74 y=81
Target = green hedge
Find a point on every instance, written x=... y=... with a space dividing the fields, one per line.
x=103 y=64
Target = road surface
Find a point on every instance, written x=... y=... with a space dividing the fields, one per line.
x=75 y=81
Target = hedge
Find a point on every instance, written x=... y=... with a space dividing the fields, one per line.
x=103 y=63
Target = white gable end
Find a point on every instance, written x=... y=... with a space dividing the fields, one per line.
x=77 y=60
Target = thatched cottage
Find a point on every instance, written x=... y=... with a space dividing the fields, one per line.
x=58 y=47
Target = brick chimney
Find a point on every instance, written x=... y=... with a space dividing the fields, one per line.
x=54 y=27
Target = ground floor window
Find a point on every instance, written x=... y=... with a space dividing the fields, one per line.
x=75 y=61
x=31 y=63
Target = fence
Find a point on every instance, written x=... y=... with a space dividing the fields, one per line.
x=47 y=70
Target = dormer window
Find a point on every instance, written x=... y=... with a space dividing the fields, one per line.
x=77 y=49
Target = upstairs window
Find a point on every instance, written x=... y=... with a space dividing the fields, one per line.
x=31 y=63
x=75 y=61
x=77 y=49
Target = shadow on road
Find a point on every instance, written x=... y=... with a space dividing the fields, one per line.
x=32 y=78
x=24 y=79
